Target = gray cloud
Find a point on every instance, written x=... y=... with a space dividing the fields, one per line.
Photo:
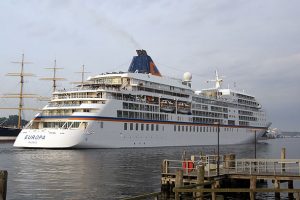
x=254 y=43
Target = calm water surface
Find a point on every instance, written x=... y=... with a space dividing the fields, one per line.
x=108 y=173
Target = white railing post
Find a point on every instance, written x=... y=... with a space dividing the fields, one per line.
x=266 y=166
x=243 y=165
x=208 y=166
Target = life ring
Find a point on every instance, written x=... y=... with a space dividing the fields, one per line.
x=188 y=165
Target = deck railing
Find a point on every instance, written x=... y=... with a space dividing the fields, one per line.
x=234 y=166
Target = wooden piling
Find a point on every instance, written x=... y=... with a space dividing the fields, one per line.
x=252 y=186
x=213 y=194
x=277 y=186
x=178 y=182
x=291 y=186
x=3 y=184
x=200 y=180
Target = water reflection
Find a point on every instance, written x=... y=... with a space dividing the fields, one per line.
x=106 y=173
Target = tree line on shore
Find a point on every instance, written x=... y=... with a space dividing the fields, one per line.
x=11 y=121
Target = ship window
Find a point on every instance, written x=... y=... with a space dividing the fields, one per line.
x=68 y=125
x=131 y=126
x=125 y=114
x=125 y=126
x=101 y=124
x=190 y=128
x=175 y=128
x=201 y=129
x=186 y=128
x=157 y=128
x=147 y=127
x=152 y=127
x=119 y=113
x=125 y=105
x=85 y=124
x=197 y=128
x=75 y=125
x=131 y=114
x=142 y=127
x=137 y=126
x=194 y=128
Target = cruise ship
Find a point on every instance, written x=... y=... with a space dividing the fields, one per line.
x=143 y=108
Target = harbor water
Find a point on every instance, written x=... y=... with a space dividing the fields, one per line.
x=110 y=173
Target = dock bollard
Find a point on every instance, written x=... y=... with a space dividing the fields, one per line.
x=3 y=184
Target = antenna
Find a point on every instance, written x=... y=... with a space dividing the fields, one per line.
x=218 y=80
x=82 y=72
x=20 y=95
x=54 y=79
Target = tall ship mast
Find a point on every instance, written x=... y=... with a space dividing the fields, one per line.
x=82 y=73
x=143 y=108
x=10 y=133
x=54 y=79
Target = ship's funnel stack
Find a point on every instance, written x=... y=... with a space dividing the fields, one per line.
x=142 y=63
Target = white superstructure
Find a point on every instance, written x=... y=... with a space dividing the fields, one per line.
x=141 y=108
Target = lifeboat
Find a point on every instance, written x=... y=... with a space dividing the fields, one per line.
x=167 y=105
x=183 y=107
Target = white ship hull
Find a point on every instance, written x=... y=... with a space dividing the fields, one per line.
x=112 y=135
x=142 y=108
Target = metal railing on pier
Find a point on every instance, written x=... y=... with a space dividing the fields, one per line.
x=233 y=166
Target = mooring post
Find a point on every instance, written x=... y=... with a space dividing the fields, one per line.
x=252 y=186
x=178 y=182
x=297 y=196
x=200 y=180
x=3 y=184
x=277 y=186
x=291 y=186
x=283 y=156
x=213 y=194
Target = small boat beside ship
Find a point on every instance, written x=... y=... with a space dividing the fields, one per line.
x=142 y=108
x=9 y=133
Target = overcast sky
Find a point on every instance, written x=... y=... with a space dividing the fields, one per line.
x=253 y=43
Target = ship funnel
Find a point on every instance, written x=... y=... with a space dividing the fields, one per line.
x=142 y=63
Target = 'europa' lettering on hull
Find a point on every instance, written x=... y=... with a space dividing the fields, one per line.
x=34 y=137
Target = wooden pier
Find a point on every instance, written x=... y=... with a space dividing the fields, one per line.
x=205 y=176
